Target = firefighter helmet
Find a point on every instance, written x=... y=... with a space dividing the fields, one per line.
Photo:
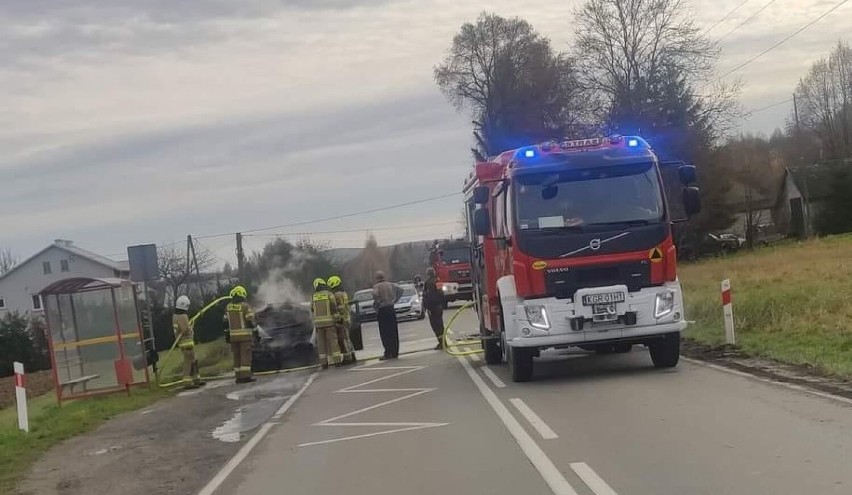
x=317 y=282
x=334 y=281
x=182 y=303
x=239 y=291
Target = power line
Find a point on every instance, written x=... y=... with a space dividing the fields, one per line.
x=767 y=107
x=723 y=19
x=365 y=229
x=336 y=217
x=749 y=19
x=781 y=42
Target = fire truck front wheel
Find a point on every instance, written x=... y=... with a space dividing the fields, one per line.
x=521 y=363
x=665 y=352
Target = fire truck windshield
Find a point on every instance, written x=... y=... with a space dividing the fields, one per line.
x=589 y=199
x=452 y=256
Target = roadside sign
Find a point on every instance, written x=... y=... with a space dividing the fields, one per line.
x=21 y=396
x=728 y=312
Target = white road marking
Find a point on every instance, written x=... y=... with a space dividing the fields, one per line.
x=473 y=357
x=355 y=389
x=493 y=377
x=548 y=471
x=536 y=422
x=791 y=386
x=246 y=449
x=591 y=479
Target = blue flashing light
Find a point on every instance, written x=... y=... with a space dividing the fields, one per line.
x=632 y=143
x=529 y=153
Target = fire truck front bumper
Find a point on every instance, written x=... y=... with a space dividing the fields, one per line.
x=602 y=314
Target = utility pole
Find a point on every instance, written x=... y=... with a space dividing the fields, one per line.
x=806 y=210
x=191 y=248
x=241 y=259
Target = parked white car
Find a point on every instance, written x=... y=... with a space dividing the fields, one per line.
x=410 y=305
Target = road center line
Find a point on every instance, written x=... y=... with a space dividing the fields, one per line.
x=591 y=479
x=246 y=449
x=493 y=377
x=536 y=422
x=545 y=467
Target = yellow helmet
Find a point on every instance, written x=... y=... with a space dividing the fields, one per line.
x=334 y=282
x=318 y=281
x=239 y=291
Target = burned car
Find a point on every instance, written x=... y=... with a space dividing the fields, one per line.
x=285 y=337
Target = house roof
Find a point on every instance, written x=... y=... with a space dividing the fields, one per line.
x=121 y=266
x=815 y=180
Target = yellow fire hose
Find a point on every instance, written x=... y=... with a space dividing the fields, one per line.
x=449 y=346
x=174 y=344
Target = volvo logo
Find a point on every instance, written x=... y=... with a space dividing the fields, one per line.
x=595 y=244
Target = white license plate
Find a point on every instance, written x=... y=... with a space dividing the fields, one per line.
x=603 y=298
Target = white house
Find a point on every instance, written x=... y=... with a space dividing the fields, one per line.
x=19 y=287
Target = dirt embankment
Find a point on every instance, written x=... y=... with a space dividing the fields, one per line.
x=735 y=358
x=38 y=383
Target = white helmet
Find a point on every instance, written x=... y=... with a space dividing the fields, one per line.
x=182 y=303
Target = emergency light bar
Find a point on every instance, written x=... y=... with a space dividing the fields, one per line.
x=535 y=152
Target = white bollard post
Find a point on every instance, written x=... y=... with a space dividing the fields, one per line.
x=21 y=396
x=728 y=311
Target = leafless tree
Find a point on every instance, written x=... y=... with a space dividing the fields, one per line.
x=825 y=96
x=518 y=89
x=643 y=60
x=8 y=260
x=176 y=270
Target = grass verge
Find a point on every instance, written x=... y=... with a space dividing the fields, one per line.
x=214 y=358
x=791 y=302
x=50 y=425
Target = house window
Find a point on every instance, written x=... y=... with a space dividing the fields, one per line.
x=46 y=267
x=2 y=303
x=36 y=302
x=63 y=265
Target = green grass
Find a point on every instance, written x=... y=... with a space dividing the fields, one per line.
x=214 y=358
x=792 y=302
x=50 y=425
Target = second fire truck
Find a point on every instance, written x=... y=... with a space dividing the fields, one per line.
x=572 y=246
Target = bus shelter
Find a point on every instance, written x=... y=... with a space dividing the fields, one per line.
x=95 y=335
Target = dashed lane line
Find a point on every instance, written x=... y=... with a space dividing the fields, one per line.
x=591 y=479
x=540 y=426
x=545 y=467
x=493 y=377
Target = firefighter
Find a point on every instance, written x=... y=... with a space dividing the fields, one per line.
x=325 y=313
x=239 y=332
x=186 y=343
x=343 y=322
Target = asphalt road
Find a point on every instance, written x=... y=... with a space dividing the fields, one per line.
x=432 y=423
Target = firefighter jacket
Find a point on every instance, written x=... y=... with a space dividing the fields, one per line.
x=342 y=300
x=183 y=331
x=324 y=309
x=240 y=320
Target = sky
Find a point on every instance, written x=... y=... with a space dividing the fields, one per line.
x=128 y=122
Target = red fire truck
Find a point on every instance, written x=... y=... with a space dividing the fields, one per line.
x=450 y=258
x=572 y=246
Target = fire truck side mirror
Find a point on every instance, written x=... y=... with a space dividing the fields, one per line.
x=481 y=222
x=691 y=201
x=686 y=173
x=481 y=194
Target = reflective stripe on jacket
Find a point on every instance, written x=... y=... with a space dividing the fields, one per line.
x=183 y=332
x=240 y=320
x=324 y=309
x=342 y=300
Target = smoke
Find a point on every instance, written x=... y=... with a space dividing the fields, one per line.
x=278 y=288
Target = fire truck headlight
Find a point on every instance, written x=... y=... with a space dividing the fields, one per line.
x=665 y=303
x=537 y=316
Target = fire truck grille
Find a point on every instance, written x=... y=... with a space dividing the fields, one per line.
x=562 y=283
x=457 y=275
